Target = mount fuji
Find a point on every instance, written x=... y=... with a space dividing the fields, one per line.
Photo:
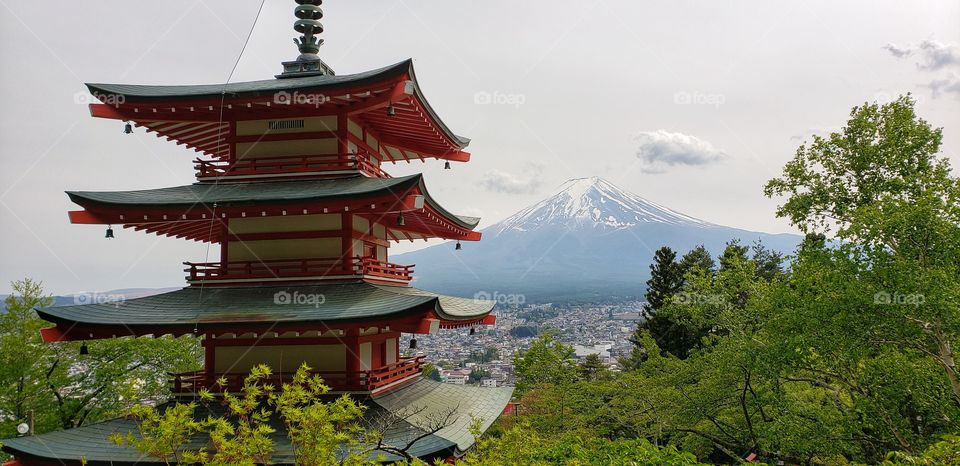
x=589 y=241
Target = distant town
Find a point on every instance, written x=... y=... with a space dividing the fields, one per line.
x=486 y=357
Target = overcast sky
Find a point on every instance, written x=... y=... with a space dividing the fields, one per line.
x=693 y=105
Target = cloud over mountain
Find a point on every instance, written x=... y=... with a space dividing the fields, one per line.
x=508 y=183
x=661 y=149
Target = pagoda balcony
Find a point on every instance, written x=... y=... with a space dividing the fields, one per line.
x=286 y=270
x=372 y=381
x=287 y=166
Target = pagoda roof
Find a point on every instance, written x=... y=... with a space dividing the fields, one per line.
x=235 y=309
x=90 y=443
x=194 y=202
x=203 y=105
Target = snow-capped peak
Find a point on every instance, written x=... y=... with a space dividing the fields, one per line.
x=592 y=202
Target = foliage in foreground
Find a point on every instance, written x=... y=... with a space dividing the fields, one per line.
x=522 y=445
x=64 y=389
x=320 y=432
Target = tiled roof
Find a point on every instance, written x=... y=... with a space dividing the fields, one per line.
x=90 y=443
x=147 y=93
x=255 y=193
x=257 y=304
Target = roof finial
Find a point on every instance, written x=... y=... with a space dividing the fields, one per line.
x=308 y=24
x=308 y=15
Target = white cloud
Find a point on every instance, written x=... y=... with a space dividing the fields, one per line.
x=509 y=183
x=947 y=85
x=661 y=149
x=931 y=55
x=897 y=51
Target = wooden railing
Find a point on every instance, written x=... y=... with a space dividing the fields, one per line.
x=274 y=269
x=265 y=269
x=288 y=165
x=338 y=381
x=375 y=268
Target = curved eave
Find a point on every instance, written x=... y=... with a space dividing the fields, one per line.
x=119 y=100
x=246 y=309
x=463 y=221
x=249 y=193
x=186 y=211
x=134 y=93
x=460 y=141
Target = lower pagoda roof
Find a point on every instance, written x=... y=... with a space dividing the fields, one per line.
x=218 y=310
x=409 y=409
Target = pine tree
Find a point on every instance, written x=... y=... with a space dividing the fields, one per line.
x=698 y=258
x=666 y=280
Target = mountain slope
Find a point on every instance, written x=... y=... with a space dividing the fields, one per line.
x=591 y=240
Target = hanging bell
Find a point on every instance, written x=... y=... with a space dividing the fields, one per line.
x=459 y=246
x=128 y=128
x=109 y=232
x=446 y=166
x=400 y=221
x=473 y=331
x=84 y=350
x=413 y=343
x=391 y=110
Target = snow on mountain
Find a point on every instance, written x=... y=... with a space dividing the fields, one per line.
x=592 y=202
x=590 y=240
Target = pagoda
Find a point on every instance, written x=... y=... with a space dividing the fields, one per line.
x=292 y=185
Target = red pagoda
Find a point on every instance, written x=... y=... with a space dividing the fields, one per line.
x=292 y=187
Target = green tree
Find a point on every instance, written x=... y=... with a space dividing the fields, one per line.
x=65 y=389
x=697 y=258
x=320 y=432
x=880 y=186
x=477 y=374
x=546 y=362
x=592 y=369
x=431 y=372
x=666 y=280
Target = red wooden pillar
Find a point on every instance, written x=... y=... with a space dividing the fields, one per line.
x=209 y=360
x=346 y=236
x=225 y=244
x=352 y=343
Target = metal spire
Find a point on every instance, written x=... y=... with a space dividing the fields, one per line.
x=308 y=24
